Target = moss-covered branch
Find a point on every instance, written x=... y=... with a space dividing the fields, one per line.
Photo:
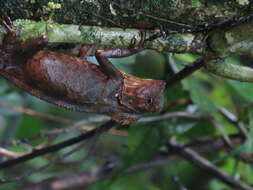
x=113 y=37
x=129 y=14
x=232 y=41
x=231 y=71
x=235 y=40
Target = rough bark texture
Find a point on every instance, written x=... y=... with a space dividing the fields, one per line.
x=188 y=26
x=134 y=13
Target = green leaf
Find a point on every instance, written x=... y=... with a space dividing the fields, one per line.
x=179 y=126
x=202 y=128
x=149 y=64
x=10 y=97
x=196 y=3
x=29 y=127
x=198 y=95
x=144 y=141
x=173 y=94
x=248 y=145
x=244 y=89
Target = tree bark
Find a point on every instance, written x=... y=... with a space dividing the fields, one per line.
x=210 y=29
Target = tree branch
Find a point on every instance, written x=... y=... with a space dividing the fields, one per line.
x=57 y=147
x=220 y=43
x=188 y=70
x=231 y=71
x=113 y=37
x=180 y=115
x=97 y=173
x=98 y=119
x=141 y=14
x=32 y=112
x=195 y=158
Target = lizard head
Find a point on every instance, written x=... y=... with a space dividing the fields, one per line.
x=142 y=95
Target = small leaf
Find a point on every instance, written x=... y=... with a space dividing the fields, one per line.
x=244 y=89
x=143 y=142
x=196 y=3
x=178 y=126
x=198 y=95
x=8 y=96
x=248 y=145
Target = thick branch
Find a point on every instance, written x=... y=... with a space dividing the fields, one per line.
x=231 y=41
x=113 y=37
x=231 y=71
x=222 y=42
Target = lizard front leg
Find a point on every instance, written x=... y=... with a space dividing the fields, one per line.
x=103 y=55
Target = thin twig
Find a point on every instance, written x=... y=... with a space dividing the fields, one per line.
x=221 y=129
x=59 y=146
x=92 y=175
x=57 y=119
x=217 y=143
x=232 y=118
x=157 y=18
x=40 y=169
x=36 y=113
x=195 y=158
x=7 y=154
x=178 y=182
x=50 y=117
x=54 y=161
x=188 y=70
x=181 y=115
x=97 y=173
x=207 y=144
x=99 y=119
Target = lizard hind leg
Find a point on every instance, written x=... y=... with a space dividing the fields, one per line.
x=10 y=37
x=85 y=50
x=13 y=52
x=8 y=42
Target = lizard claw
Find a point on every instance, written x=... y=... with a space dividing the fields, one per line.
x=7 y=23
x=138 y=44
x=11 y=32
x=124 y=118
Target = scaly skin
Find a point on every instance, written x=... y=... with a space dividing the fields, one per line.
x=74 y=83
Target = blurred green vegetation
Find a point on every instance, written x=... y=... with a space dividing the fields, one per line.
x=200 y=93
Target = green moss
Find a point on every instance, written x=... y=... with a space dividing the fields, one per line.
x=123 y=13
x=243 y=2
x=236 y=40
x=32 y=27
x=218 y=43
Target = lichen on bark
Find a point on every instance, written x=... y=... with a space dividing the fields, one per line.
x=116 y=23
x=129 y=14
